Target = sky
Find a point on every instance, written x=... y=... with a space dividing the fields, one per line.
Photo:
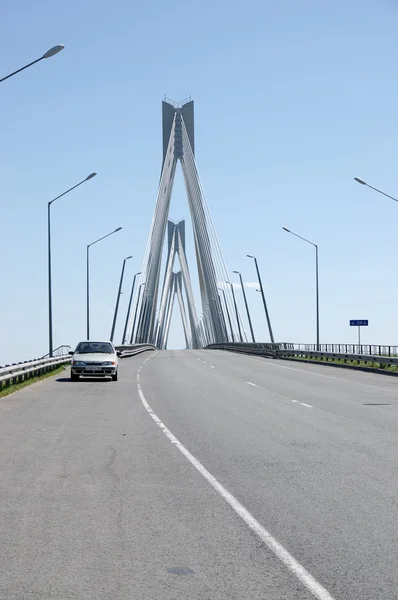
x=293 y=99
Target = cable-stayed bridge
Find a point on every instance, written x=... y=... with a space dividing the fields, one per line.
x=215 y=320
x=200 y=473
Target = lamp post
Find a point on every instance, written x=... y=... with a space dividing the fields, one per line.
x=129 y=308
x=362 y=182
x=51 y=52
x=236 y=311
x=50 y=300
x=316 y=280
x=135 y=312
x=88 y=275
x=271 y=335
x=247 y=306
x=228 y=315
x=118 y=298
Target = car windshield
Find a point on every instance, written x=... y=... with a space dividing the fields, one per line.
x=94 y=348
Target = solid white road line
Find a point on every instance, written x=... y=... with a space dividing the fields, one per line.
x=253 y=384
x=284 y=556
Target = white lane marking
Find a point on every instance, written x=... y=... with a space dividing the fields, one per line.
x=211 y=367
x=296 y=401
x=269 y=363
x=303 y=403
x=205 y=362
x=284 y=556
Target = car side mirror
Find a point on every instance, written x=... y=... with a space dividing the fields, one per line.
x=71 y=353
x=118 y=353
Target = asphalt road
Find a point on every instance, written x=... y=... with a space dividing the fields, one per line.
x=96 y=502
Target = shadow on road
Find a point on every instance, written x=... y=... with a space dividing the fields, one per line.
x=84 y=379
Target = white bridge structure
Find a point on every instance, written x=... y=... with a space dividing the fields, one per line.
x=155 y=297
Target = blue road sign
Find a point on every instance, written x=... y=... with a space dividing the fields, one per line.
x=359 y=323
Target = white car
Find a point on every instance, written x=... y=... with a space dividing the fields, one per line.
x=94 y=359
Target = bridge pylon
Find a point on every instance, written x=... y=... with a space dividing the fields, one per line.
x=155 y=304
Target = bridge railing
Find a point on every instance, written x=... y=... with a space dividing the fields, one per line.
x=60 y=351
x=371 y=349
x=381 y=360
x=363 y=349
x=294 y=352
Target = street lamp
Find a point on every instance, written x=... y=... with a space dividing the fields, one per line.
x=271 y=335
x=316 y=280
x=88 y=275
x=236 y=311
x=50 y=301
x=247 y=306
x=135 y=312
x=129 y=308
x=51 y=52
x=362 y=182
x=228 y=315
x=118 y=298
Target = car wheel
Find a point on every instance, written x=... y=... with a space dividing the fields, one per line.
x=74 y=377
x=114 y=377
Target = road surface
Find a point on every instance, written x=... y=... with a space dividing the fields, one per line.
x=222 y=477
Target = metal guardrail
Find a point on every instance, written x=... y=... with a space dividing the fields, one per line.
x=132 y=349
x=269 y=350
x=289 y=352
x=20 y=372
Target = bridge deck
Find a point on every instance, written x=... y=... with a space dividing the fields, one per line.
x=98 y=503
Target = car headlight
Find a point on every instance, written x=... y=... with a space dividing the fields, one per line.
x=109 y=362
x=78 y=363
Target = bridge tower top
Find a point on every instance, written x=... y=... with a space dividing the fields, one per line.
x=177 y=104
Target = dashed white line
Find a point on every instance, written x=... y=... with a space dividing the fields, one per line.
x=211 y=367
x=268 y=363
x=303 y=403
x=273 y=545
x=296 y=401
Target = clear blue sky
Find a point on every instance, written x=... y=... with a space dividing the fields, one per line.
x=292 y=100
